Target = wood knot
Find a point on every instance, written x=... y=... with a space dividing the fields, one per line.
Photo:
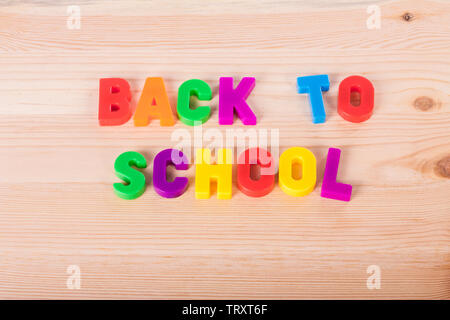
x=443 y=167
x=408 y=16
x=424 y=103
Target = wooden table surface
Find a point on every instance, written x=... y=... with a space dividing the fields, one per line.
x=58 y=208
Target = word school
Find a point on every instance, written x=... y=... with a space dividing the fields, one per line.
x=115 y=109
x=221 y=172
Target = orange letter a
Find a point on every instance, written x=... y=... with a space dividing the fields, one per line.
x=153 y=104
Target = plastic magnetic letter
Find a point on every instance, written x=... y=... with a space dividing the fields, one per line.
x=220 y=172
x=154 y=104
x=114 y=102
x=265 y=183
x=330 y=188
x=134 y=180
x=314 y=85
x=346 y=109
x=202 y=91
x=231 y=100
x=297 y=187
x=163 y=187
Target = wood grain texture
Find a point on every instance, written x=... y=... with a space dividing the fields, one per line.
x=57 y=207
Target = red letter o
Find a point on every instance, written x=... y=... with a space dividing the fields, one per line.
x=346 y=109
x=255 y=188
